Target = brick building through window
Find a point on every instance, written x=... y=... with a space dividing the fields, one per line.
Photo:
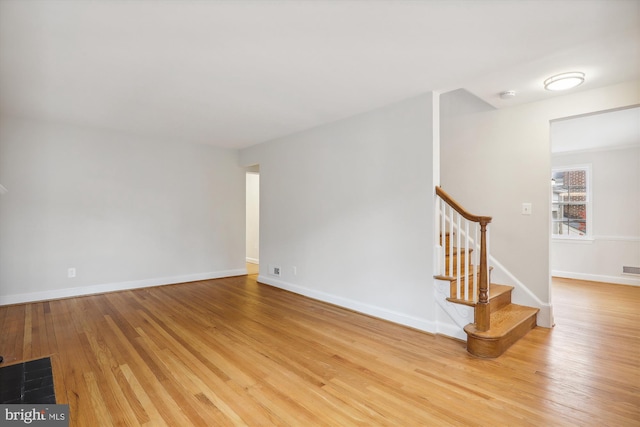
x=570 y=202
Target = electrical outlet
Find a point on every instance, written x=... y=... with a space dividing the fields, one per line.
x=526 y=209
x=71 y=273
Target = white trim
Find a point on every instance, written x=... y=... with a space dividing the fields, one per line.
x=452 y=331
x=596 y=278
x=522 y=294
x=595 y=238
x=618 y=238
x=596 y=149
x=114 y=287
x=572 y=240
x=595 y=113
x=435 y=138
x=253 y=260
x=371 y=310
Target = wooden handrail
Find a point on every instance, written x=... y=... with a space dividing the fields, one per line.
x=458 y=208
x=482 y=308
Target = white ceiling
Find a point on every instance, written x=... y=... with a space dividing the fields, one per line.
x=237 y=73
x=604 y=130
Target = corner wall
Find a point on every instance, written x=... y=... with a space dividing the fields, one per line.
x=494 y=160
x=125 y=212
x=349 y=205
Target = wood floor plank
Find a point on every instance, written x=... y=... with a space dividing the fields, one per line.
x=12 y=336
x=235 y=352
x=147 y=377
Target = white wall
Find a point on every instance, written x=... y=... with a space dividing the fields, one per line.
x=253 y=217
x=125 y=212
x=350 y=206
x=616 y=219
x=494 y=160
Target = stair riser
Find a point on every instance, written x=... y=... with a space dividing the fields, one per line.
x=502 y=300
x=454 y=290
x=463 y=266
x=447 y=241
x=454 y=287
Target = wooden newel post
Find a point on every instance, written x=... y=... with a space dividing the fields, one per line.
x=482 y=312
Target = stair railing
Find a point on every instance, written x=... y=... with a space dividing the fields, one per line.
x=453 y=221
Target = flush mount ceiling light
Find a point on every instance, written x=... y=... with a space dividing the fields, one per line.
x=564 y=81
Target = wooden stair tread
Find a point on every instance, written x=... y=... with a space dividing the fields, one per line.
x=504 y=321
x=507 y=322
x=463 y=251
x=461 y=301
x=495 y=291
x=452 y=278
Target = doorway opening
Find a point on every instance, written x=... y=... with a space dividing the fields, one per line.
x=253 y=220
x=595 y=182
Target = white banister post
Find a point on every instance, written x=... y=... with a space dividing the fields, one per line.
x=458 y=270
x=466 y=259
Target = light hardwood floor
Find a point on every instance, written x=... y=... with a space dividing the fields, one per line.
x=252 y=268
x=235 y=352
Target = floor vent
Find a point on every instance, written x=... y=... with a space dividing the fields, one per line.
x=631 y=270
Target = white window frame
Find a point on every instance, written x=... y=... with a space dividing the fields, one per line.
x=589 y=203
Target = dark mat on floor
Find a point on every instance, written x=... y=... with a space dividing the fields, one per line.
x=28 y=382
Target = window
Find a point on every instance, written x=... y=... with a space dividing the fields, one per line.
x=570 y=203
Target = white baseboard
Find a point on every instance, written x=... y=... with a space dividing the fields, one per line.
x=360 y=307
x=113 y=287
x=451 y=331
x=522 y=294
x=597 y=278
x=253 y=260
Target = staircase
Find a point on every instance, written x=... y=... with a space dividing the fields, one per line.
x=498 y=323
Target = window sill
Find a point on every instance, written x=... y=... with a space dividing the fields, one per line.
x=578 y=240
